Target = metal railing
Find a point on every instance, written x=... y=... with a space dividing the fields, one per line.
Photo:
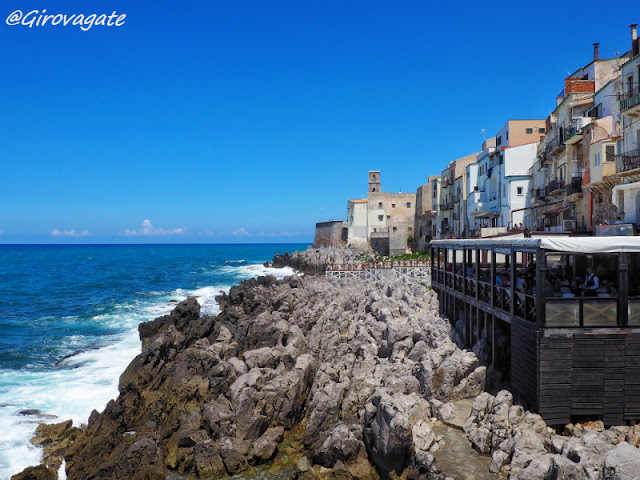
x=554 y=185
x=628 y=160
x=575 y=186
x=630 y=98
x=573 y=128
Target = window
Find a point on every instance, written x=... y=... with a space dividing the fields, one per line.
x=519 y=190
x=379 y=204
x=408 y=204
x=395 y=229
x=388 y=217
x=411 y=229
x=610 y=152
x=507 y=135
x=529 y=130
x=541 y=130
x=380 y=217
x=596 y=159
x=393 y=205
x=499 y=141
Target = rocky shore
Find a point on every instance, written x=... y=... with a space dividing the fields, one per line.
x=313 y=378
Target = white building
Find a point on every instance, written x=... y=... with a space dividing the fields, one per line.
x=627 y=196
x=500 y=194
x=357 y=223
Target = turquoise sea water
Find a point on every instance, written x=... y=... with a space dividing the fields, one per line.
x=69 y=317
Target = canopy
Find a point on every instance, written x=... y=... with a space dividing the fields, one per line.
x=558 y=244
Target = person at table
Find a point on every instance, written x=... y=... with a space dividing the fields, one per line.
x=591 y=284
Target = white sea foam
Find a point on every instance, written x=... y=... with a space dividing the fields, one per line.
x=89 y=379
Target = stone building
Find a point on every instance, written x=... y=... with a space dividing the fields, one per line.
x=425 y=215
x=388 y=220
x=331 y=233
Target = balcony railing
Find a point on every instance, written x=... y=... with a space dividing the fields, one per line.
x=574 y=187
x=539 y=192
x=628 y=161
x=554 y=185
x=553 y=144
x=630 y=98
x=573 y=128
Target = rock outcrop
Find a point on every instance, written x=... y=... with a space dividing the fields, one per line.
x=521 y=443
x=321 y=378
x=314 y=261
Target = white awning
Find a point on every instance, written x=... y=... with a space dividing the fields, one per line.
x=557 y=244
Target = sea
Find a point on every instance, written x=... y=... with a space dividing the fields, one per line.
x=69 y=318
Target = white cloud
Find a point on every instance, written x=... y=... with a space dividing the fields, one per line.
x=241 y=232
x=149 y=230
x=69 y=233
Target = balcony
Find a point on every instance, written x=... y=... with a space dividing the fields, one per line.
x=539 y=192
x=556 y=143
x=575 y=186
x=456 y=198
x=573 y=130
x=456 y=216
x=630 y=102
x=379 y=232
x=626 y=162
x=554 y=187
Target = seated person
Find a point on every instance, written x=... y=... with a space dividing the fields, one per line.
x=591 y=284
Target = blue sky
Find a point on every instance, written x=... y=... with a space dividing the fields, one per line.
x=249 y=121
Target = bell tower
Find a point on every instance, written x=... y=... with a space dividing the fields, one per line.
x=374 y=181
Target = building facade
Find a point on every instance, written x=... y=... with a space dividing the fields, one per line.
x=425 y=216
x=383 y=222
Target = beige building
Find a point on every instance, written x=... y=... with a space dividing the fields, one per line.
x=388 y=222
x=452 y=197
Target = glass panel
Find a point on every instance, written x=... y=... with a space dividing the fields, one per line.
x=601 y=312
x=634 y=312
x=562 y=313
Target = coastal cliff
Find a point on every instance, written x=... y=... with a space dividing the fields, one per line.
x=313 y=377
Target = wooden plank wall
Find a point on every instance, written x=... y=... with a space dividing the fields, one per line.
x=524 y=358
x=555 y=379
x=592 y=375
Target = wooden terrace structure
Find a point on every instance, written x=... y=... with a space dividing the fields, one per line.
x=571 y=357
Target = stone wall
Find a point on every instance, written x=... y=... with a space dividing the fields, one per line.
x=330 y=233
